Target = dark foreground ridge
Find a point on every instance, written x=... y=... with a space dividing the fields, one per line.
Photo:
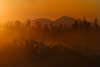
x=30 y=53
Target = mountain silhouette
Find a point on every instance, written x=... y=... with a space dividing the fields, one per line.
x=68 y=20
x=62 y=20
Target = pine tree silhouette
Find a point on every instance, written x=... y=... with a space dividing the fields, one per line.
x=95 y=23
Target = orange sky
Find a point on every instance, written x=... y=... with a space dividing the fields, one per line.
x=52 y=9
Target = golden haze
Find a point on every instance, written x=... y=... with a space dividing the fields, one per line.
x=52 y=9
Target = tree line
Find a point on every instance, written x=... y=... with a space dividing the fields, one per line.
x=76 y=26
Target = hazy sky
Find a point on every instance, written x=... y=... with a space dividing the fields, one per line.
x=51 y=9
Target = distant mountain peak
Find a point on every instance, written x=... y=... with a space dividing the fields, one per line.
x=42 y=19
x=64 y=20
x=65 y=17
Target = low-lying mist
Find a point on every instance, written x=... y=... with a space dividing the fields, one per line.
x=55 y=46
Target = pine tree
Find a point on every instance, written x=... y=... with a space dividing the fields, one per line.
x=76 y=25
x=38 y=25
x=46 y=28
x=80 y=25
x=84 y=23
x=65 y=26
x=28 y=25
x=52 y=27
x=95 y=23
x=17 y=24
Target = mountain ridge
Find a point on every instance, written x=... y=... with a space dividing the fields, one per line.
x=62 y=20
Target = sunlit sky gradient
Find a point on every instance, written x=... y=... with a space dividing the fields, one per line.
x=51 y=9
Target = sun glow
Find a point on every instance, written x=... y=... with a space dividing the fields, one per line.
x=1 y=12
x=51 y=9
